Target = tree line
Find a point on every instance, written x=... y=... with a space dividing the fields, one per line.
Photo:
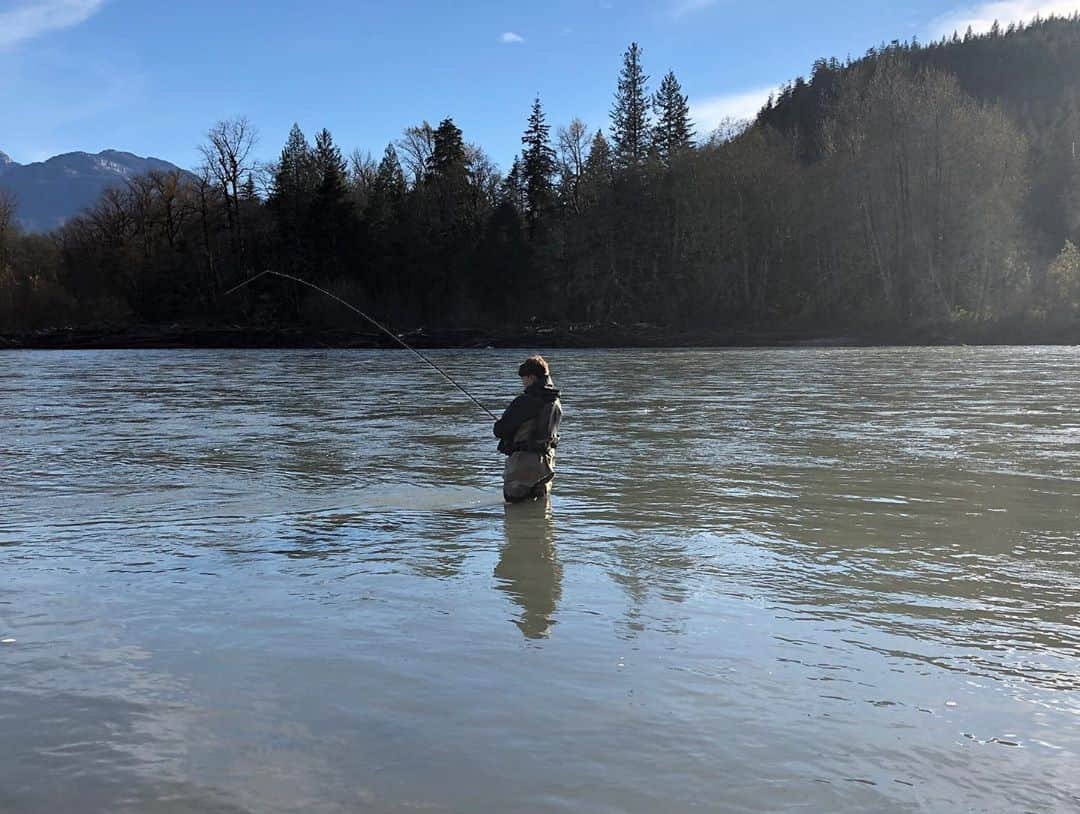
x=916 y=186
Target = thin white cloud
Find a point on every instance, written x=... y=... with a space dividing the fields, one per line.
x=511 y=38
x=981 y=17
x=683 y=7
x=710 y=113
x=31 y=19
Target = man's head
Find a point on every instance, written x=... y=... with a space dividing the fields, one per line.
x=533 y=370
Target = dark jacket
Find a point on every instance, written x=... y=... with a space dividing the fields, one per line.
x=541 y=400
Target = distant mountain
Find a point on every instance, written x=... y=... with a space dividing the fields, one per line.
x=48 y=193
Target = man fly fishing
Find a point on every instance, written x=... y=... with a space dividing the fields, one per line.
x=528 y=433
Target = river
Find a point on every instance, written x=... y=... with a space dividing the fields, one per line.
x=839 y=580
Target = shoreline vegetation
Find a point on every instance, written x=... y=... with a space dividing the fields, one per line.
x=919 y=194
x=595 y=335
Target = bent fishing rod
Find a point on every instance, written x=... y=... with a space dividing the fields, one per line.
x=373 y=321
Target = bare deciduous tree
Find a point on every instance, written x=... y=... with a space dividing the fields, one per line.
x=484 y=177
x=205 y=200
x=730 y=128
x=111 y=217
x=573 y=148
x=363 y=170
x=416 y=146
x=227 y=156
x=175 y=202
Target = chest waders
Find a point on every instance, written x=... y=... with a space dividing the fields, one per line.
x=530 y=468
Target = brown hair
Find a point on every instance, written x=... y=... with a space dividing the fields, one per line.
x=534 y=366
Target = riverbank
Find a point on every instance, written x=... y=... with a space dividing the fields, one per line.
x=573 y=336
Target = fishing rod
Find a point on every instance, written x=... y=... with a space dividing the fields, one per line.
x=373 y=321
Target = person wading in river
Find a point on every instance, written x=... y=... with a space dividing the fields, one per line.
x=528 y=433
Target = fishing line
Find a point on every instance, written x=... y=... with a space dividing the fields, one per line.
x=374 y=322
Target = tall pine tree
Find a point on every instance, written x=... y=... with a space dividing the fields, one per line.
x=292 y=192
x=538 y=167
x=446 y=228
x=630 y=112
x=512 y=190
x=447 y=162
x=390 y=178
x=446 y=182
x=293 y=175
x=383 y=218
x=330 y=167
x=331 y=211
x=674 y=131
x=599 y=170
x=387 y=193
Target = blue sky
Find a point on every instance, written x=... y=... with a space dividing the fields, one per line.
x=151 y=77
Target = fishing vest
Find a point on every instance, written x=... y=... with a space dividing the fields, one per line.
x=540 y=433
x=530 y=468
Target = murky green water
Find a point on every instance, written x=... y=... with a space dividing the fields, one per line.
x=769 y=580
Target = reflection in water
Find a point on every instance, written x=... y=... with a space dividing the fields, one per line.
x=528 y=570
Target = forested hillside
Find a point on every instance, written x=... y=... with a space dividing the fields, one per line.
x=919 y=186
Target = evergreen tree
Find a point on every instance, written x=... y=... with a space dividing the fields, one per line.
x=248 y=193
x=447 y=162
x=630 y=113
x=444 y=222
x=388 y=190
x=389 y=177
x=674 y=131
x=447 y=191
x=292 y=192
x=332 y=210
x=538 y=166
x=599 y=166
x=331 y=170
x=512 y=191
x=383 y=218
x=293 y=172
